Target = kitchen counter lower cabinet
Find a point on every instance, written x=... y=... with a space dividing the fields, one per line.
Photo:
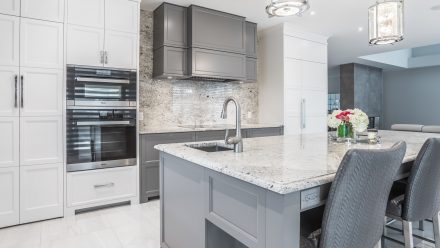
x=149 y=157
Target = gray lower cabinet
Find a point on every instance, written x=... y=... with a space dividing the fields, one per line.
x=251 y=70
x=170 y=62
x=216 y=64
x=170 y=22
x=264 y=132
x=216 y=30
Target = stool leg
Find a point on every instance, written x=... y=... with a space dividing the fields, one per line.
x=421 y=225
x=408 y=234
x=435 y=221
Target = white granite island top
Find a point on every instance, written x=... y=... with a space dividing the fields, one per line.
x=285 y=164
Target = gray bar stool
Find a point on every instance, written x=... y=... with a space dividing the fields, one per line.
x=355 y=208
x=419 y=198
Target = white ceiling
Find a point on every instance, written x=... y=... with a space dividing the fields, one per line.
x=338 y=19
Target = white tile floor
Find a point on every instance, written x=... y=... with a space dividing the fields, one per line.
x=119 y=227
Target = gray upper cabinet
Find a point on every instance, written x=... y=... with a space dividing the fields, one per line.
x=170 y=62
x=170 y=26
x=217 y=64
x=251 y=70
x=251 y=40
x=211 y=29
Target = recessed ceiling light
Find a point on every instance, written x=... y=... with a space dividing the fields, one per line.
x=435 y=7
x=312 y=13
x=360 y=29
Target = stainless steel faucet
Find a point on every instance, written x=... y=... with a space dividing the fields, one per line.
x=237 y=141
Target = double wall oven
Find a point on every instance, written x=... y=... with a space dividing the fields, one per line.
x=101 y=118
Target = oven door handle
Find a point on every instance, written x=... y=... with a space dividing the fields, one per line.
x=102 y=80
x=102 y=123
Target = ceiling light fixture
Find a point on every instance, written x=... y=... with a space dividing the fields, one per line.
x=283 y=8
x=312 y=13
x=386 y=22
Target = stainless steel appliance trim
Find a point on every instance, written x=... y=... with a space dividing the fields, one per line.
x=98 y=108
x=101 y=165
x=103 y=103
x=107 y=185
x=16 y=92
x=102 y=80
x=102 y=123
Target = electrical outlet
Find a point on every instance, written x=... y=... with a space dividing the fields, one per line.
x=249 y=115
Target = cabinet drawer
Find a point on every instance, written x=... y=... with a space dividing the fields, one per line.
x=148 y=141
x=314 y=197
x=100 y=185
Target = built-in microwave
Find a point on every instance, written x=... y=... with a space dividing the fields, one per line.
x=89 y=86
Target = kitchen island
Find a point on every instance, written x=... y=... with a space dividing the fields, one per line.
x=255 y=198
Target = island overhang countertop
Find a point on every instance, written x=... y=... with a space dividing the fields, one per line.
x=285 y=164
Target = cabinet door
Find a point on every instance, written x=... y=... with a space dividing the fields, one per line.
x=314 y=76
x=50 y=10
x=170 y=26
x=251 y=69
x=148 y=141
x=122 y=15
x=217 y=30
x=9 y=40
x=9 y=91
x=251 y=39
x=42 y=91
x=41 y=44
x=170 y=62
x=10 y=7
x=121 y=50
x=9 y=141
x=89 y=13
x=264 y=132
x=149 y=174
x=41 y=140
x=85 y=46
x=9 y=191
x=41 y=192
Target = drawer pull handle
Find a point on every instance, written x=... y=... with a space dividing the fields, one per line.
x=107 y=185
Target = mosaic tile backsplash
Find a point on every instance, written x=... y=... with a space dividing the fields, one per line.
x=168 y=103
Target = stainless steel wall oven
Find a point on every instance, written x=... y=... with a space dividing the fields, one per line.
x=101 y=118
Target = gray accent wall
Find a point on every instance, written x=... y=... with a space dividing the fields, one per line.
x=412 y=96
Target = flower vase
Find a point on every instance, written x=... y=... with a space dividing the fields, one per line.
x=345 y=131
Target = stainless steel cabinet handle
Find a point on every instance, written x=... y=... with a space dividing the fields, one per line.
x=303 y=113
x=105 y=57
x=107 y=185
x=101 y=54
x=16 y=92
x=22 y=91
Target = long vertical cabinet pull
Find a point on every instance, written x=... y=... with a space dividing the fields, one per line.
x=22 y=92
x=105 y=57
x=16 y=92
x=101 y=53
x=303 y=113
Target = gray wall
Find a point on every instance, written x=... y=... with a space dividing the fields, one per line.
x=412 y=96
x=334 y=78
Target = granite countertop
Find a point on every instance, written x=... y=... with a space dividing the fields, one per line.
x=285 y=164
x=200 y=128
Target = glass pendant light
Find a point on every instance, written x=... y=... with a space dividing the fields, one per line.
x=283 y=8
x=386 y=22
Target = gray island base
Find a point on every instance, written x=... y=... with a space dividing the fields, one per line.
x=256 y=198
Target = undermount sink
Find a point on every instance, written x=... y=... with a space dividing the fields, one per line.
x=211 y=147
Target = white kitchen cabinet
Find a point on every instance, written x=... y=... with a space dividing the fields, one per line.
x=10 y=7
x=41 y=44
x=9 y=141
x=91 y=187
x=112 y=43
x=85 y=46
x=9 y=40
x=89 y=13
x=42 y=92
x=9 y=192
x=301 y=90
x=121 y=50
x=41 y=140
x=41 y=192
x=122 y=16
x=9 y=91
x=49 y=10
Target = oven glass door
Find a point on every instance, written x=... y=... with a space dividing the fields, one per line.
x=94 y=143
